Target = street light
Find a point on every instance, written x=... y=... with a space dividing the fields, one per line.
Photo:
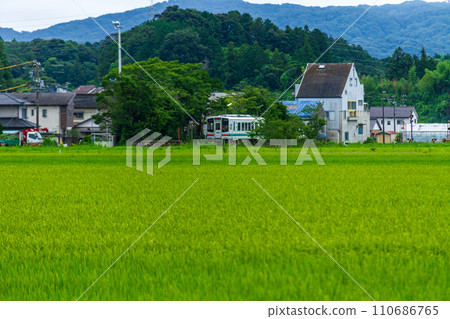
x=118 y=27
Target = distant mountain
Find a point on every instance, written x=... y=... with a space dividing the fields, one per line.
x=410 y=25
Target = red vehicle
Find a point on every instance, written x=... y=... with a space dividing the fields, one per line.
x=33 y=135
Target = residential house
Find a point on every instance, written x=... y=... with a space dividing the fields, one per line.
x=85 y=106
x=11 y=113
x=337 y=87
x=55 y=110
x=394 y=118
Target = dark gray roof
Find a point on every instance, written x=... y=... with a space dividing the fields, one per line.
x=7 y=99
x=400 y=111
x=15 y=123
x=88 y=89
x=83 y=101
x=47 y=99
x=328 y=82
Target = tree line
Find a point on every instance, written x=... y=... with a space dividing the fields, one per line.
x=240 y=52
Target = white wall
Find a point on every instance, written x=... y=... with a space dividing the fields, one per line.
x=87 y=114
x=52 y=121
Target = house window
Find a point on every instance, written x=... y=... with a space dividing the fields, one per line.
x=78 y=115
x=44 y=113
x=351 y=82
x=388 y=122
x=24 y=114
x=345 y=92
x=399 y=122
x=32 y=112
x=331 y=115
x=346 y=136
x=351 y=108
x=360 y=129
x=360 y=102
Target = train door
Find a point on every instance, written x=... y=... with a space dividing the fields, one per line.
x=210 y=128
x=217 y=127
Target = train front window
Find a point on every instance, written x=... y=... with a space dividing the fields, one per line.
x=225 y=123
x=218 y=126
x=210 y=126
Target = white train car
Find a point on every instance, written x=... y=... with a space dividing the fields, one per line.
x=230 y=126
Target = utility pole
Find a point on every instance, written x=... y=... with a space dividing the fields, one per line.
x=37 y=87
x=119 y=27
x=403 y=100
x=382 y=106
x=412 y=121
x=395 y=112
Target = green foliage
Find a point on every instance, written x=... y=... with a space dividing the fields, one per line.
x=250 y=100
x=62 y=61
x=136 y=102
x=8 y=136
x=87 y=140
x=280 y=129
x=292 y=126
x=1 y=128
x=185 y=46
x=5 y=75
x=399 y=65
x=49 y=141
x=314 y=124
x=233 y=47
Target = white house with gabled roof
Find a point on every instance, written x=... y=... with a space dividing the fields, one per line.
x=337 y=87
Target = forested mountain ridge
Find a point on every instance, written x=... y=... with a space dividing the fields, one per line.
x=411 y=25
x=233 y=47
x=240 y=51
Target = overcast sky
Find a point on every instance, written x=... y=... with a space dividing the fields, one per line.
x=38 y=14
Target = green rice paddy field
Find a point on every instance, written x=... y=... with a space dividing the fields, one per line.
x=382 y=213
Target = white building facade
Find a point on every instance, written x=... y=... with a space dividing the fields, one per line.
x=337 y=86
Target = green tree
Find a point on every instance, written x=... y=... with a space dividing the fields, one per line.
x=5 y=75
x=399 y=65
x=184 y=46
x=136 y=102
x=305 y=54
x=425 y=62
x=273 y=128
x=311 y=127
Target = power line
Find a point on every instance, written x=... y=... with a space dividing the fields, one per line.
x=16 y=65
x=13 y=88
